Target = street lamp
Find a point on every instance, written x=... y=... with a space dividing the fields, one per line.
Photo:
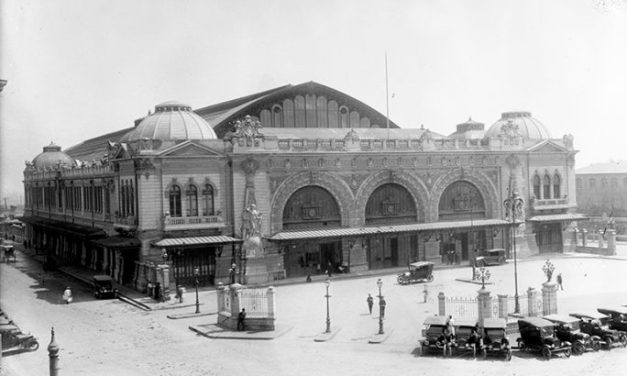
x=514 y=204
x=196 y=275
x=483 y=274
x=548 y=269
x=328 y=283
x=232 y=272
x=381 y=306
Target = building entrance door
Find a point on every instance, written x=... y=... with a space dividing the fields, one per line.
x=394 y=251
x=549 y=238
x=330 y=256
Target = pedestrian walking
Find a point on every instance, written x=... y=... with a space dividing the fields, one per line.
x=67 y=295
x=240 y=319
x=559 y=281
x=382 y=307
x=451 y=325
x=425 y=294
x=370 y=302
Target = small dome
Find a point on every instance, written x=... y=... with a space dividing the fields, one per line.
x=528 y=127
x=52 y=157
x=171 y=121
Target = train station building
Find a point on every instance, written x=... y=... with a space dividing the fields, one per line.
x=296 y=181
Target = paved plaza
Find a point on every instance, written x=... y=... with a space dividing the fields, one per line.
x=106 y=337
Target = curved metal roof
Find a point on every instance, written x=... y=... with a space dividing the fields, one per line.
x=529 y=127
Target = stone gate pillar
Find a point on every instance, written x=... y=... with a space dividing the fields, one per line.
x=532 y=297
x=503 y=308
x=271 y=303
x=484 y=302
x=611 y=242
x=584 y=236
x=441 y=304
x=549 y=298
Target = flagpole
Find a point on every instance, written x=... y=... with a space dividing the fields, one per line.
x=387 y=98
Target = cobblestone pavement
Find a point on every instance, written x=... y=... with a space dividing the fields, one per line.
x=107 y=337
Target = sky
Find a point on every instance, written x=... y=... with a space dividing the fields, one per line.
x=78 y=69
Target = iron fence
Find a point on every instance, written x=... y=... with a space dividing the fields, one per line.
x=461 y=307
x=255 y=301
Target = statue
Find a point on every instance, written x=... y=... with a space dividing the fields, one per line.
x=251 y=222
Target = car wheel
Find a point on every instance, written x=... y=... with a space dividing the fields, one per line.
x=33 y=346
x=508 y=355
x=546 y=353
x=596 y=346
x=521 y=346
x=623 y=340
x=567 y=353
x=578 y=348
x=609 y=342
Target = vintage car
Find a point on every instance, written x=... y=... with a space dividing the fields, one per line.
x=538 y=335
x=435 y=336
x=567 y=329
x=618 y=319
x=14 y=339
x=494 y=339
x=8 y=251
x=418 y=272
x=596 y=324
x=494 y=256
x=103 y=287
x=466 y=339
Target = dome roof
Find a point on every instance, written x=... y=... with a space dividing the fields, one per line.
x=171 y=121
x=51 y=157
x=528 y=127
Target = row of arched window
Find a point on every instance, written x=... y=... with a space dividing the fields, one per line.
x=547 y=187
x=191 y=199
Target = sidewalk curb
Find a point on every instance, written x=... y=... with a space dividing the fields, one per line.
x=324 y=337
x=380 y=338
x=178 y=316
x=215 y=332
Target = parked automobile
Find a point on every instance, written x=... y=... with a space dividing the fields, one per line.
x=418 y=272
x=103 y=287
x=494 y=339
x=435 y=336
x=596 y=324
x=538 y=335
x=466 y=340
x=567 y=329
x=13 y=338
x=617 y=321
x=495 y=256
x=8 y=251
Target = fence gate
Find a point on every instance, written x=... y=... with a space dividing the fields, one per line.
x=460 y=307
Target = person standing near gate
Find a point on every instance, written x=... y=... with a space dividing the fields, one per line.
x=240 y=319
x=559 y=281
x=370 y=302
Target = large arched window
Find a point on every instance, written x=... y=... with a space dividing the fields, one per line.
x=175 y=201
x=461 y=201
x=208 y=200
x=536 y=187
x=390 y=203
x=311 y=207
x=547 y=187
x=192 y=200
x=556 y=186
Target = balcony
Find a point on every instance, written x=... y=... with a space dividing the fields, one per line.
x=127 y=223
x=189 y=223
x=550 y=204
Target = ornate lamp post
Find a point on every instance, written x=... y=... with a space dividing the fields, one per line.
x=328 y=283
x=548 y=269
x=196 y=275
x=513 y=205
x=483 y=274
x=381 y=306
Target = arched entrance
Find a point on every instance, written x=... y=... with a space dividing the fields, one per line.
x=391 y=204
x=312 y=207
x=461 y=201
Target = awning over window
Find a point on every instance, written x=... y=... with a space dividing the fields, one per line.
x=356 y=231
x=558 y=217
x=174 y=242
x=117 y=242
x=67 y=228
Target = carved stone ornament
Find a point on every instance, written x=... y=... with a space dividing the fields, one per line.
x=249 y=165
x=512 y=161
x=247 y=128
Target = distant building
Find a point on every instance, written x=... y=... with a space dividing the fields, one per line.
x=602 y=193
x=316 y=174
